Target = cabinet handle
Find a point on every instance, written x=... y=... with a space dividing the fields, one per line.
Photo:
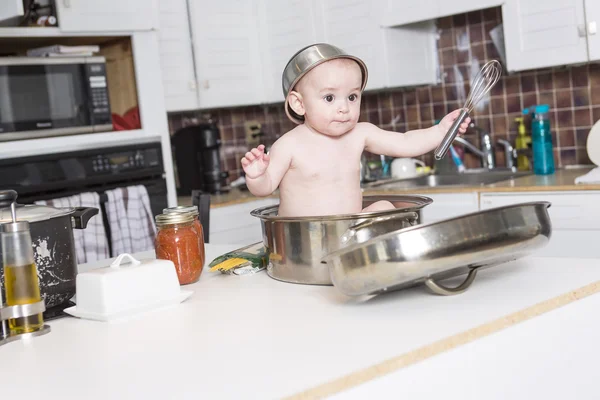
x=192 y=85
x=592 y=28
x=67 y=3
x=581 y=30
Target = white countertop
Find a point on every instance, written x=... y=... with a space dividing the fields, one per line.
x=254 y=337
x=553 y=356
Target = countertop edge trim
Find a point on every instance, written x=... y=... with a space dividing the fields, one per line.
x=396 y=363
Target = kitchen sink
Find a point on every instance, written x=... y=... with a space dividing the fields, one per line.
x=470 y=178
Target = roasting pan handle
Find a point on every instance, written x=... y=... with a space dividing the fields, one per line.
x=446 y=291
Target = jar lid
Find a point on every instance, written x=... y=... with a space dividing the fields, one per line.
x=174 y=218
x=181 y=209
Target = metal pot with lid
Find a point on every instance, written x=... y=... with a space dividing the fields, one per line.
x=53 y=245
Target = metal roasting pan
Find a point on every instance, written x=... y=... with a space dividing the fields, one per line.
x=428 y=253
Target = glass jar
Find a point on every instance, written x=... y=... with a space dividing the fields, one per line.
x=194 y=211
x=177 y=240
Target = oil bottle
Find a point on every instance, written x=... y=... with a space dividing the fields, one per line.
x=21 y=282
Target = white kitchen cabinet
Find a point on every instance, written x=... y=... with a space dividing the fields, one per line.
x=353 y=25
x=416 y=43
x=11 y=9
x=234 y=224
x=454 y=7
x=592 y=16
x=403 y=12
x=176 y=56
x=226 y=52
x=544 y=34
x=448 y=205
x=106 y=15
x=285 y=28
x=575 y=219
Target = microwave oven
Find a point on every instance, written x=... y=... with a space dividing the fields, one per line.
x=53 y=96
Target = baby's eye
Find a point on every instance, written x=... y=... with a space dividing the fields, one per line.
x=328 y=98
x=353 y=97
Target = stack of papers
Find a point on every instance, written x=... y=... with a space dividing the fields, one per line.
x=63 y=51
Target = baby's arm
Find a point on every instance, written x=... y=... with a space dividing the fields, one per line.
x=412 y=143
x=265 y=171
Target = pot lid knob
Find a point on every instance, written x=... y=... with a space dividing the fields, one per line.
x=8 y=199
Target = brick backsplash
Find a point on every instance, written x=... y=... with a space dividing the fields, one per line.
x=464 y=44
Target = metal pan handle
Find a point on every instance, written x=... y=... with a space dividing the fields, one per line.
x=443 y=147
x=446 y=291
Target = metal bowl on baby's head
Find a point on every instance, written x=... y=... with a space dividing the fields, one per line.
x=305 y=60
x=296 y=245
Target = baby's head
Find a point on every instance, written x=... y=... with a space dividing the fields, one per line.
x=327 y=94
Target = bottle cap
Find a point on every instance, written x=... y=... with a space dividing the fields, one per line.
x=542 y=108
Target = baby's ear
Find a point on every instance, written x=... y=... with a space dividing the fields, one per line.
x=296 y=102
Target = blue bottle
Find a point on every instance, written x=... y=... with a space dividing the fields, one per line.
x=541 y=140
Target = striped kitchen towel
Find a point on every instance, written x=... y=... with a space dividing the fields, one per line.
x=130 y=220
x=91 y=243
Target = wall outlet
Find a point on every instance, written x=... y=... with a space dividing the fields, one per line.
x=253 y=133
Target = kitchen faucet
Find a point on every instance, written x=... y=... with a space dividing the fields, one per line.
x=510 y=153
x=486 y=153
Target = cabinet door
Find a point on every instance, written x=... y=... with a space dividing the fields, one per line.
x=574 y=216
x=462 y=6
x=285 y=28
x=176 y=59
x=353 y=25
x=411 y=55
x=401 y=12
x=448 y=205
x=226 y=52
x=106 y=15
x=592 y=16
x=544 y=34
x=11 y=9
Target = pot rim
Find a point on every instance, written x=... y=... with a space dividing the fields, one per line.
x=419 y=203
x=431 y=225
x=51 y=212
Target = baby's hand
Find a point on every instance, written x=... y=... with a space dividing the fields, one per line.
x=449 y=119
x=255 y=162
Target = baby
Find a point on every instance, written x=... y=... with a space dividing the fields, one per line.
x=316 y=165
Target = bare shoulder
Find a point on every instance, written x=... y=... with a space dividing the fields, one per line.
x=365 y=128
x=285 y=144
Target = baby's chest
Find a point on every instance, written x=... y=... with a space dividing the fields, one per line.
x=327 y=163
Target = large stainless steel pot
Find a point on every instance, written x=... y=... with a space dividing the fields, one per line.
x=296 y=245
x=53 y=245
x=370 y=263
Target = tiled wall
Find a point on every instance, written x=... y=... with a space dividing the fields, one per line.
x=464 y=44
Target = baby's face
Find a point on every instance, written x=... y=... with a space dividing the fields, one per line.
x=331 y=96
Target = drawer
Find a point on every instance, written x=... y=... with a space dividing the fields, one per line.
x=568 y=210
x=448 y=205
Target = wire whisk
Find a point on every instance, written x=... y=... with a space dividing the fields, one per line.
x=484 y=81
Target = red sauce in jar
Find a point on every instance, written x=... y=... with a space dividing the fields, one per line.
x=177 y=240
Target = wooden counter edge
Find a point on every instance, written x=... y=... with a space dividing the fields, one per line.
x=393 y=364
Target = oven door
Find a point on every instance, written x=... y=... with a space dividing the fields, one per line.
x=42 y=97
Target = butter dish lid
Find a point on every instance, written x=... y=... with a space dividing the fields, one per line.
x=124 y=289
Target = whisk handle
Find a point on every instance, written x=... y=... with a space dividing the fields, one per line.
x=443 y=147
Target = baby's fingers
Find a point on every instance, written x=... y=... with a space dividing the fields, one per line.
x=257 y=153
x=250 y=156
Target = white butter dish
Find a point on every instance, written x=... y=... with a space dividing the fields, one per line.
x=120 y=291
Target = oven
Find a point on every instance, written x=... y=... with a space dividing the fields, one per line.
x=99 y=170
x=53 y=96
